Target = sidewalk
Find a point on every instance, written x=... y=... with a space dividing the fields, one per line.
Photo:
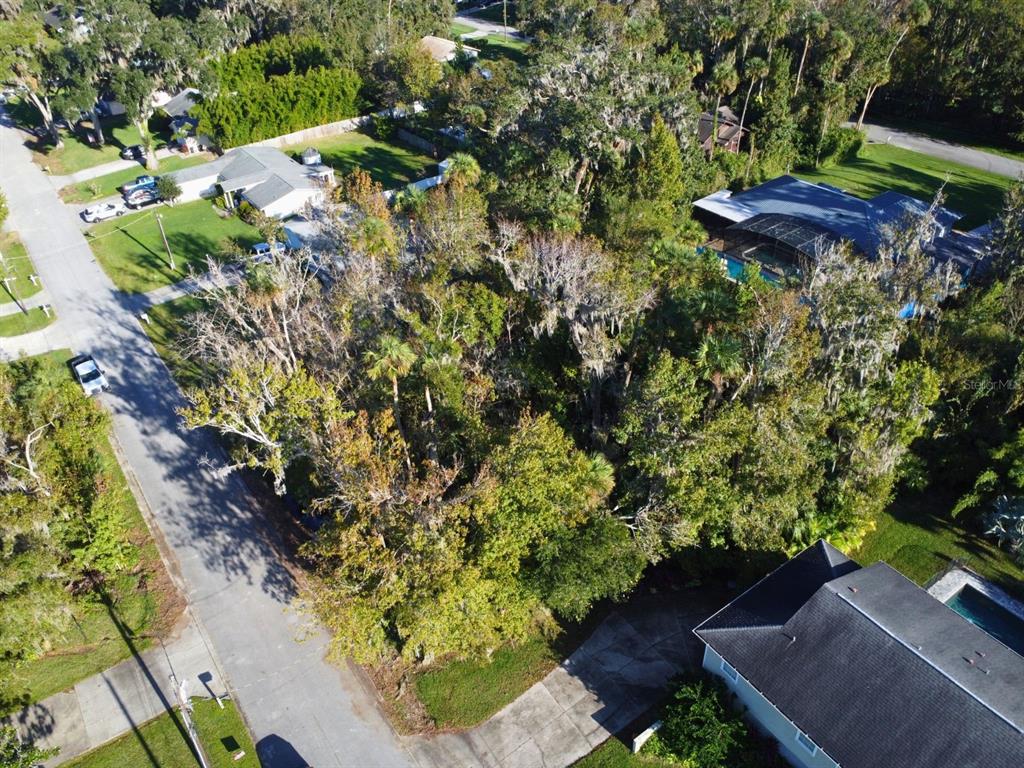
x=102 y=170
x=616 y=676
x=35 y=300
x=121 y=698
x=53 y=336
x=186 y=287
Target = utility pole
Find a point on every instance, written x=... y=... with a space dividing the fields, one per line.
x=7 y=280
x=170 y=256
x=185 y=707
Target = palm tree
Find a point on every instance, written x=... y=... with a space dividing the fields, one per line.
x=721 y=360
x=724 y=80
x=815 y=26
x=756 y=69
x=462 y=167
x=392 y=360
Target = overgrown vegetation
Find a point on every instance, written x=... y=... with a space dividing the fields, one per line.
x=701 y=729
x=83 y=584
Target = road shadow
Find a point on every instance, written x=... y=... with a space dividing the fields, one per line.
x=275 y=752
x=200 y=507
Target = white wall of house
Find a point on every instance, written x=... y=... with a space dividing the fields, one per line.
x=197 y=188
x=767 y=717
x=293 y=203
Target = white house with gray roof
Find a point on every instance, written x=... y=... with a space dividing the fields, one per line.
x=861 y=668
x=264 y=177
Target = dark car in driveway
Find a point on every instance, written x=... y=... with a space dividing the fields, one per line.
x=134 y=152
x=140 y=198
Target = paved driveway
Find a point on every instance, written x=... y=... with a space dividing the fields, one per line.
x=616 y=676
x=955 y=153
x=301 y=709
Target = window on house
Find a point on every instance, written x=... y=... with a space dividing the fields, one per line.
x=730 y=671
x=806 y=743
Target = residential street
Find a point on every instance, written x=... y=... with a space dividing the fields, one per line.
x=301 y=710
x=483 y=26
x=955 y=153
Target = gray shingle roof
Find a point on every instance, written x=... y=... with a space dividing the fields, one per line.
x=181 y=102
x=863 y=222
x=874 y=669
x=266 y=174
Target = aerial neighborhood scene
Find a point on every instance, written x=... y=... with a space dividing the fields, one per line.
x=512 y=384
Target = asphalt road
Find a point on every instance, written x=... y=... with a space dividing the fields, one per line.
x=301 y=710
x=955 y=153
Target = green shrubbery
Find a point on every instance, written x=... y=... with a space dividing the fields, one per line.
x=840 y=145
x=700 y=730
x=277 y=87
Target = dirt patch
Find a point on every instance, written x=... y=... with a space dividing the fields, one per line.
x=395 y=685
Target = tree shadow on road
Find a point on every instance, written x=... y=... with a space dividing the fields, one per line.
x=208 y=510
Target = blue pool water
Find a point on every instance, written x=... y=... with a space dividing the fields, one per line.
x=989 y=616
x=735 y=269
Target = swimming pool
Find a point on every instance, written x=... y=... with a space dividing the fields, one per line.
x=988 y=615
x=735 y=268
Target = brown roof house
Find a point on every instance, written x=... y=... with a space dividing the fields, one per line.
x=729 y=132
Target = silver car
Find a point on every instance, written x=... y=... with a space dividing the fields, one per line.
x=87 y=373
x=104 y=211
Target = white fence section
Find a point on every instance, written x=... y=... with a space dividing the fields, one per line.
x=643 y=736
x=330 y=129
x=422 y=184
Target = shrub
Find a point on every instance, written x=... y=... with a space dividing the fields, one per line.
x=1005 y=521
x=384 y=127
x=275 y=88
x=168 y=188
x=840 y=145
x=698 y=729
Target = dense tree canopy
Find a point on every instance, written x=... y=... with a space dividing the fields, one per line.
x=61 y=523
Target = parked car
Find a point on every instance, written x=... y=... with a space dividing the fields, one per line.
x=134 y=152
x=141 y=182
x=140 y=198
x=104 y=211
x=262 y=253
x=87 y=372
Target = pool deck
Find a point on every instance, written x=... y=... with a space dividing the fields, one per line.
x=958 y=577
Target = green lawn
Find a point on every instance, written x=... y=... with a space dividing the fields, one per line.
x=132 y=253
x=917 y=537
x=164 y=328
x=459 y=29
x=498 y=47
x=19 y=322
x=614 y=754
x=162 y=742
x=105 y=186
x=954 y=134
x=464 y=693
x=17 y=264
x=393 y=165
x=77 y=153
x=141 y=603
x=879 y=167
x=495 y=14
